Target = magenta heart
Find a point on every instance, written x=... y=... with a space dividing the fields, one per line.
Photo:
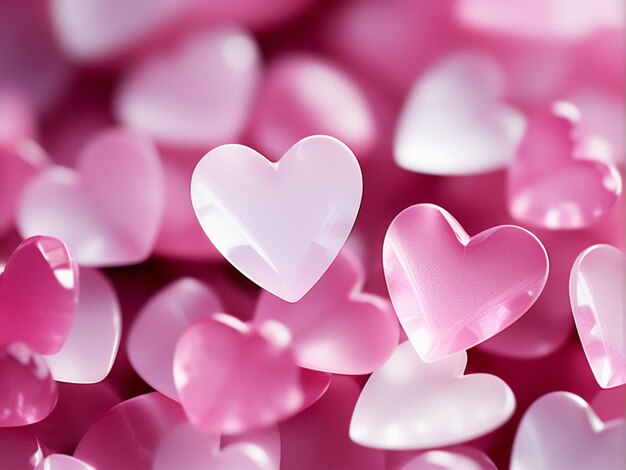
x=109 y=210
x=38 y=295
x=219 y=359
x=546 y=176
x=336 y=327
x=452 y=291
x=597 y=298
x=28 y=392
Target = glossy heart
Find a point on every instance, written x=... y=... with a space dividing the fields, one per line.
x=545 y=178
x=159 y=324
x=198 y=95
x=38 y=295
x=336 y=327
x=560 y=430
x=217 y=362
x=281 y=224
x=109 y=210
x=452 y=291
x=452 y=458
x=479 y=135
x=91 y=346
x=410 y=404
x=27 y=390
x=187 y=448
x=597 y=296
x=62 y=462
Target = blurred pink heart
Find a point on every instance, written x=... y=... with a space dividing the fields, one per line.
x=409 y=404
x=317 y=438
x=306 y=95
x=19 y=449
x=38 y=295
x=92 y=30
x=62 y=462
x=336 y=327
x=281 y=224
x=159 y=324
x=18 y=164
x=545 y=178
x=597 y=297
x=452 y=291
x=27 y=391
x=560 y=430
x=187 y=448
x=485 y=129
x=452 y=458
x=17 y=117
x=109 y=210
x=219 y=360
x=91 y=346
x=128 y=435
x=198 y=95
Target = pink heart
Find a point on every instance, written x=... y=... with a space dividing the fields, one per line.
x=19 y=449
x=409 y=404
x=281 y=224
x=62 y=462
x=27 y=390
x=128 y=435
x=545 y=178
x=560 y=430
x=159 y=324
x=452 y=458
x=597 y=297
x=486 y=130
x=197 y=95
x=187 y=448
x=38 y=295
x=219 y=359
x=108 y=211
x=17 y=117
x=336 y=327
x=91 y=346
x=305 y=95
x=452 y=291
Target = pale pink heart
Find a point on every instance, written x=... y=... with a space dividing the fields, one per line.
x=280 y=224
x=410 y=404
x=479 y=135
x=109 y=209
x=62 y=462
x=19 y=449
x=19 y=163
x=317 y=438
x=219 y=360
x=545 y=178
x=196 y=95
x=598 y=303
x=91 y=346
x=306 y=95
x=452 y=291
x=156 y=329
x=128 y=435
x=187 y=448
x=560 y=430
x=450 y=458
x=92 y=30
x=17 y=117
x=38 y=295
x=336 y=327
x=27 y=390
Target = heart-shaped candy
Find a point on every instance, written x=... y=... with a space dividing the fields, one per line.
x=560 y=430
x=281 y=224
x=217 y=362
x=597 y=295
x=196 y=96
x=546 y=177
x=451 y=458
x=91 y=346
x=27 y=390
x=454 y=122
x=109 y=211
x=62 y=462
x=336 y=327
x=452 y=291
x=38 y=295
x=410 y=404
